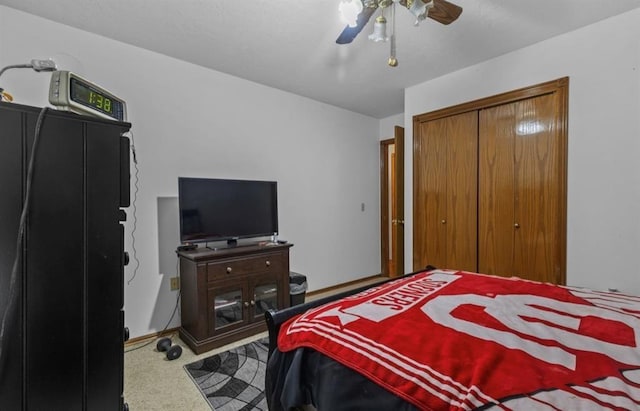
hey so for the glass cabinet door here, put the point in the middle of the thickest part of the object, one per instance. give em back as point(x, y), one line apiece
point(227, 308)
point(265, 297)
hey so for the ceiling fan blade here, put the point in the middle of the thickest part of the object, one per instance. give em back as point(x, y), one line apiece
point(350, 33)
point(444, 12)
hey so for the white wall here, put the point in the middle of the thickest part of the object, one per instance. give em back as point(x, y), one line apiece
point(603, 63)
point(191, 121)
point(388, 124)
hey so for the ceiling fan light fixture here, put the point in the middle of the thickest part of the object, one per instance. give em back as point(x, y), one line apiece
point(379, 30)
point(393, 61)
point(420, 9)
point(349, 11)
point(359, 12)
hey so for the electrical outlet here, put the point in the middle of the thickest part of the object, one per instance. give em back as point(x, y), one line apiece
point(175, 283)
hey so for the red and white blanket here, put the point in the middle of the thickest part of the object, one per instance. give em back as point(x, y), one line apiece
point(447, 340)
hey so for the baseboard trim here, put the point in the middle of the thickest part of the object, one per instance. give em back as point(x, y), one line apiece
point(348, 284)
point(142, 338)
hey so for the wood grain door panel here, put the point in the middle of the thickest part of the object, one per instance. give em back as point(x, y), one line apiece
point(445, 193)
point(495, 187)
point(537, 163)
point(520, 184)
point(462, 191)
point(429, 196)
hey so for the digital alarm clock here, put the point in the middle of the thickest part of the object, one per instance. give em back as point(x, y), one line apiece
point(70, 92)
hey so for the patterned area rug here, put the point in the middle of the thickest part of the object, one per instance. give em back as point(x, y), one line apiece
point(233, 380)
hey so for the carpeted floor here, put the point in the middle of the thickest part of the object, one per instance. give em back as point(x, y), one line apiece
point(233, 380)
point(153, 383)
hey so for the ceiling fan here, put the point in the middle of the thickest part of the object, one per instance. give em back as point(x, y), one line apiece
point(361, 11)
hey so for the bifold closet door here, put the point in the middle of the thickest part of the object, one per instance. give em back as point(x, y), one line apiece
point(445, 192)
point(521, 222)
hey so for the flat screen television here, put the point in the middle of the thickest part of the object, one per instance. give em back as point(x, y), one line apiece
point(214, 209)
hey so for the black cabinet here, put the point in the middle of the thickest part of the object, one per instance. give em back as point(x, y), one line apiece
point(62, 348)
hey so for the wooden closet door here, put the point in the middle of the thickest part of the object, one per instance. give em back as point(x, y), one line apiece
point(495, 190)
point(430, 202)
point(538, 167)
point(445, 192)
point(521, 186)
point(462, 192)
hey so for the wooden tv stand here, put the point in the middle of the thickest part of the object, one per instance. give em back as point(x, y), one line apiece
point(225, 292)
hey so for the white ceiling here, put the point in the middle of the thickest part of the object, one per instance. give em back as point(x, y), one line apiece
point(290, 44)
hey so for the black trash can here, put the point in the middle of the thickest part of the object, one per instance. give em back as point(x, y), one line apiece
point(297, 288)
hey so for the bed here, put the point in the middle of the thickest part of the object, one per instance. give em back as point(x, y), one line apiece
point(453, 340)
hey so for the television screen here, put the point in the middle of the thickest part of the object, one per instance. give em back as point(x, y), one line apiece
point(220, 209)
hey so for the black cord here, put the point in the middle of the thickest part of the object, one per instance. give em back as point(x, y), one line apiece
point(133, 239)
point(21, 227)
point(133, 205)
point(168, 322)
point(163, 330)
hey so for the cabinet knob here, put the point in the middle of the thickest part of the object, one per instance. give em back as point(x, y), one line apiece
point(253, 302)
point(444, 221)
point(516, 225)
point(246, 303)
point(229, 269)
point(268, 263)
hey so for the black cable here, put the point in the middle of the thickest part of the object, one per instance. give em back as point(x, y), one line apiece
point(21, 227)
point(168, 322)
point(133, 239)
point(133, 205)
point(164, 329)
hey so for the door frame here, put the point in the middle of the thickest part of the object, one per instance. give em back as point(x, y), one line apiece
point(387, 243)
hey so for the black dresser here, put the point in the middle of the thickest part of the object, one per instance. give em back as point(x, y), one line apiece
point(62, 348)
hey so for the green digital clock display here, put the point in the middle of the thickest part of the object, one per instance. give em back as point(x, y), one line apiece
point(90, 97)
point(68, 91)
